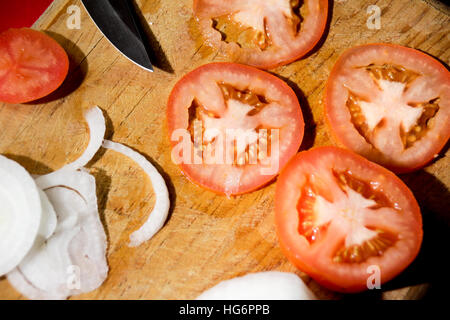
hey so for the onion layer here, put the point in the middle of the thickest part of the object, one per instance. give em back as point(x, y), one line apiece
point(160, 211)
point(73, 259)
point(96, 122)
point(271, 285)
point(62, 244)
point(20, 213)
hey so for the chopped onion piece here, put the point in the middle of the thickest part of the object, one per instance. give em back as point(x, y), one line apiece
point(69, 256)
point(22, 285)
point(20, 213)
point(45, 268)
point(97, 127)
point(271, 285)
point(73, 259)
point(96, 122)
point(48, 220)
point(158, 216)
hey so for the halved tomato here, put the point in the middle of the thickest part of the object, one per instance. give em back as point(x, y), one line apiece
point(262, 33)
point(339, 217)
point(390, 104)
point(32, 65)
point(233, 127)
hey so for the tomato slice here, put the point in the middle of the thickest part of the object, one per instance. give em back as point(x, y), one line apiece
point(337, 214)
point(390, 104)
point(32, 65)
point(233, 127)
point(262, 33)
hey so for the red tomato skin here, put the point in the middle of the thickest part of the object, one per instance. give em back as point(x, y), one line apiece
point(191, 76)
point(324, 4)
point(63, 60)
point(298, 260)
point(328, 103)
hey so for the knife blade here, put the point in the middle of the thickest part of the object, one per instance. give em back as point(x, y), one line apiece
point(118, 22)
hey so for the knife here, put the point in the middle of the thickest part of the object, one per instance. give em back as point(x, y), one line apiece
point(119, 23)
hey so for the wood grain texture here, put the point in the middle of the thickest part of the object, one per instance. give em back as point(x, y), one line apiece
point(208, 238)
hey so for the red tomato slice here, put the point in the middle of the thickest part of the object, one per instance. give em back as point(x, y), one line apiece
point(262, 33)
point(220, 98)
point(32, 65)
point(390, 104)
point(337, 214)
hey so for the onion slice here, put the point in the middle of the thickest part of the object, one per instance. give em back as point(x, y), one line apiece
point(72, 242)
point(77, 241)
point(73, 259)
point(97, 127)
point(20, 213)
point(158, 216)
point(271, 285)
point(49, 219)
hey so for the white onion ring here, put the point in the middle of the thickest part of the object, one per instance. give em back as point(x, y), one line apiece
point(97, 127)
point(49, 219)
point(20, 213)
point(270, 285)
point(79, 240)
point(158, 216)
point(22, 285)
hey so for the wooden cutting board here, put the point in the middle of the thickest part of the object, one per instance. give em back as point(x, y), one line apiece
point(208, 238)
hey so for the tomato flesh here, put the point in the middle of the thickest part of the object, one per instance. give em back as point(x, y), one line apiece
point(219, 98)
point(390, 104)
point(32, 65)
point(337, 214)
point(262, 33)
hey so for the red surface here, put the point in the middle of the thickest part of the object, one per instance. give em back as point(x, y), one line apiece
point(21, 13)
